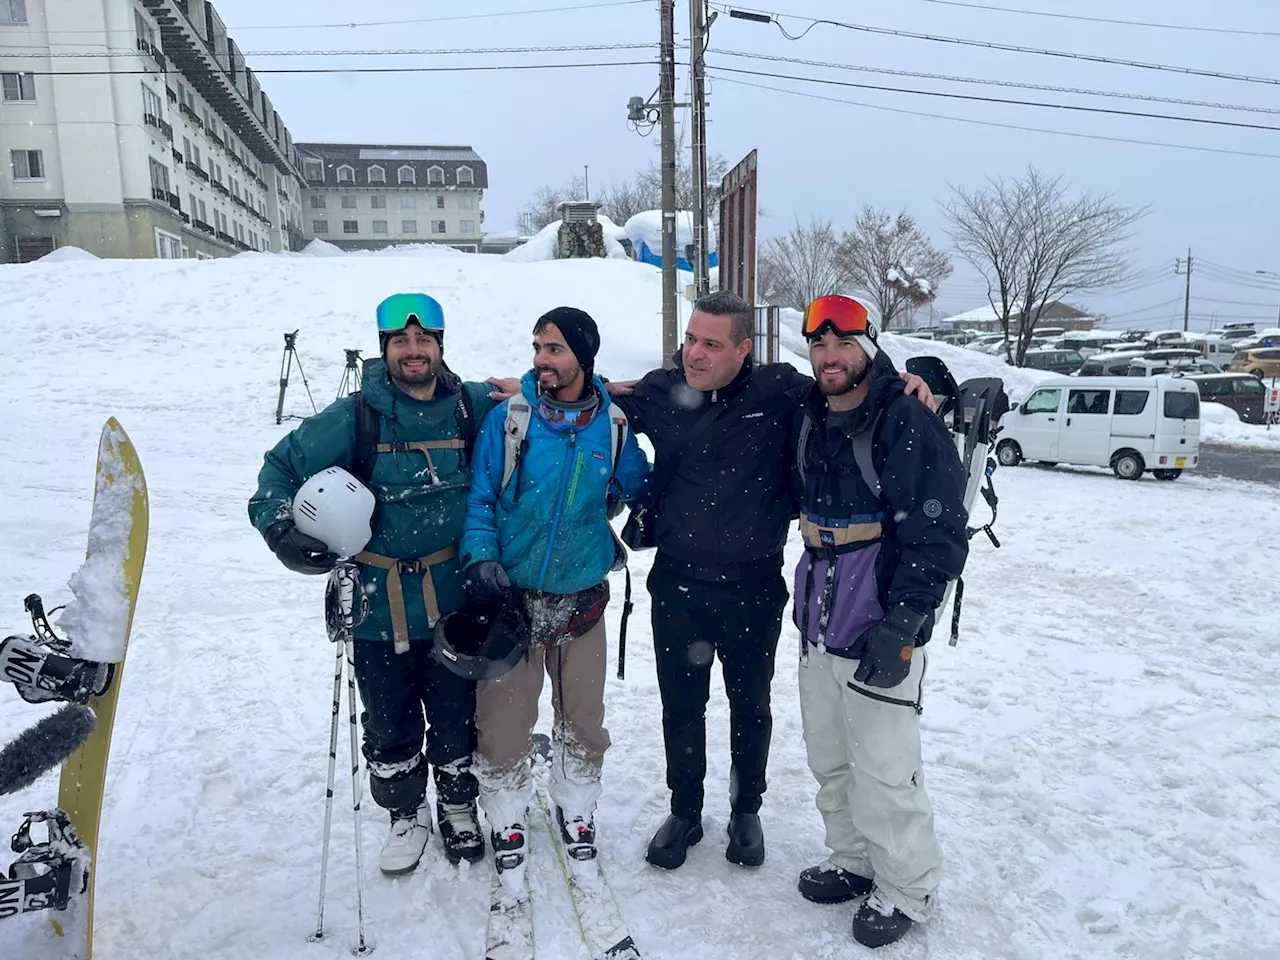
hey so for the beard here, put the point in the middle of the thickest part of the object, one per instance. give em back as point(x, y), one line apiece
point(557, 380)
point(418, 377)
point(852, 379)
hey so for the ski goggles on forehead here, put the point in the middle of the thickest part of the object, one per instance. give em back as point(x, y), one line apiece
point(845, 315)
point(395, 312)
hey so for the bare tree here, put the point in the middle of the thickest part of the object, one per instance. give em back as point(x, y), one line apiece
point(544, 207)
point(1033, 245)
point(801, 265)
point(892, 260)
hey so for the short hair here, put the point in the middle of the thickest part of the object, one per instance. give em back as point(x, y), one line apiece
point(725, 303)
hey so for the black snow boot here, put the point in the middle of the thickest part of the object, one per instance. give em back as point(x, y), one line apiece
point(460, 831)
point(746, 840)
point(827, 883)
point(671, 843)
point(878, 922)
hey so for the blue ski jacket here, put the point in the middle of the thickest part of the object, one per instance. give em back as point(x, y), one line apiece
point(549, 528)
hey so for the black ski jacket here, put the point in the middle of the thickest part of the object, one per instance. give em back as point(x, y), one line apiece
point(916, 527)
point(725, 514)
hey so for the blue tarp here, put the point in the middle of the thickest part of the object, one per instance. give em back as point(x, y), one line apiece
point(646, 255)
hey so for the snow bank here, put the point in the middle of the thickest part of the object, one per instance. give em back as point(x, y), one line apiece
point(545, 244)
point(322, 248)
point(67, 255)
point(1221, 425)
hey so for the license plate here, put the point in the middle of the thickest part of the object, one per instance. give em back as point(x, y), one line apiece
point(1180, 461)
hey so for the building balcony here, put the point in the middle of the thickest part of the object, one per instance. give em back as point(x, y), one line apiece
point(159, 193)
point(239, 203)
point(241, 245)
point(144, 46)
point(150, 119)
point(226, 237)
point(197, 171)
point(216, 139)
point(186, 217)
point(177, 155)
point(159, 58)
point(218, 185)
point(205, 227)
point(174, 201)
point(166, 130)
point(168, 92)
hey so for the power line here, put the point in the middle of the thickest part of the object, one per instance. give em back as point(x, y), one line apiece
point(1006, 126)
point(389, 23)
point(997, 83)
point(458, 51)
point(1007, 47)
point(320, 70)
point(1126, 23)
point(1076, 108)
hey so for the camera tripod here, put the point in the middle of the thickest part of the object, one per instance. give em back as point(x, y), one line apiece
point(350, 375)
point(286, 365)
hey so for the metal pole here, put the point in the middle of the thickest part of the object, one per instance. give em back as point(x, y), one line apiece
point(667, 111)
point(1186, 307)
point(328, 792)
point(698, 89)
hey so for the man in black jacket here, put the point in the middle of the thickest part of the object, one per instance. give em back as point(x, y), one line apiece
point(716, 583)
point(883, 521)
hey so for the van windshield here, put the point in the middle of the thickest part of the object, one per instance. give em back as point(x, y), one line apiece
point(1182, 406)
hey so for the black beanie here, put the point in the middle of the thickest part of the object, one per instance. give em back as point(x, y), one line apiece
point(579, 332)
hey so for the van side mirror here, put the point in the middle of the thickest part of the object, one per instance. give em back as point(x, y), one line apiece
point(1022, 410)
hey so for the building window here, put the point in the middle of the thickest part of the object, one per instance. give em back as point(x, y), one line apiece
point(379, 226)
point(350, 226)
point(466, 202)
point(168, 247)
point(377, 175)
point(319, 226)
point(346, 174)
point(18, 86)
point(159, 179)
point(27, 164)
point(435, 175)
point(408, 203)
point(408, 226)
point(378, 202)
point(317, 201)
point(13, 11)
point(313, 169)
point(465, 175)
point(145, 32)
point(406, 175)
point(466, 226)
point(438, 226)
point(348, 201)
point(440, 202)
point(191, 200)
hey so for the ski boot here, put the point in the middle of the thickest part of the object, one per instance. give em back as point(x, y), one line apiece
point(460, 832)
point(878, 922)
point(406, 842)
point(510, 847)
point(828, 883)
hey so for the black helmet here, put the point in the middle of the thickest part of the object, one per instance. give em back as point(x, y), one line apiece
point(483, 642)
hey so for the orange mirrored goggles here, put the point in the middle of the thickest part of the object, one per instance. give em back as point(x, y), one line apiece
point(846, 316)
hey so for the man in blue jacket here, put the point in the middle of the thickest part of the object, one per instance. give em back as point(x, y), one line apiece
point(548, 466)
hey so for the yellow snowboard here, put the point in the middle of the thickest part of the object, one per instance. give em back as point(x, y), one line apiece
point(117, 538)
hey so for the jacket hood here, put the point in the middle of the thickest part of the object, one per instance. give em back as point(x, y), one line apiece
point(385, 397)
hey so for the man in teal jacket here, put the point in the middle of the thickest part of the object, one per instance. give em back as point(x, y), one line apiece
point(545, 533)
point(420, 416)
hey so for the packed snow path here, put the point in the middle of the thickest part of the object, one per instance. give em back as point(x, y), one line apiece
point(1101, 747)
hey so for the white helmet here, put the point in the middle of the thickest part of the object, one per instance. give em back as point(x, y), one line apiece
point(336, 509)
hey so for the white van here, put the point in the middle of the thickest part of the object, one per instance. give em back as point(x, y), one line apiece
point(1130, 424)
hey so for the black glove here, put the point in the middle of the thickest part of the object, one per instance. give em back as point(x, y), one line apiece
point(888, 647)
point(297, 551)
point(487, 582)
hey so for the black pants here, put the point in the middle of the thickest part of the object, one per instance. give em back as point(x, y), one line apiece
point(397, 690)
point(693, 621)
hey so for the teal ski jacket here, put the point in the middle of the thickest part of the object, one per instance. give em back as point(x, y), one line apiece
point(549, 529)
point(415, 516)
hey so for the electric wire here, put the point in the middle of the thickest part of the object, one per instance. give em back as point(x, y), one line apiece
point(429, 52)
point(1125, 23)
point(357, 70)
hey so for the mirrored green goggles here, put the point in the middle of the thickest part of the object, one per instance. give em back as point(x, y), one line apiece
point(395, 312)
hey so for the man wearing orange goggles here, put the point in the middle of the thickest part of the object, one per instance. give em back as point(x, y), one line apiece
point(883, 520)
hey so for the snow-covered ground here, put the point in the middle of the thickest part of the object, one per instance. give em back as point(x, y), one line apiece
point(1101, 746)
point(1221, 425)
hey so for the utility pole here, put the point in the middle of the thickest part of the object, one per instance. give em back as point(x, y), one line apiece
point(586, 182)
point(698, 168)
point(667, 115)
point(1186, 307)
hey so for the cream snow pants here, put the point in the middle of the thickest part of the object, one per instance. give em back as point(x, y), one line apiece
point(865, 754)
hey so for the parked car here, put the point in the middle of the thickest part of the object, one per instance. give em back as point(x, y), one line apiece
point(1088, 342)
point(1109, 364)
point(1244, 394)
point(1149, 367)
point(1131, 425)
point(1056, 361)
point(1263, 364)
point(1217, 351)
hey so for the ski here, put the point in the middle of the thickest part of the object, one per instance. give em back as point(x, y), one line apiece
point(604, 932)
point(509, 932)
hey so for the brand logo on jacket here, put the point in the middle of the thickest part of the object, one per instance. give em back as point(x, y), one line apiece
point(932, 509)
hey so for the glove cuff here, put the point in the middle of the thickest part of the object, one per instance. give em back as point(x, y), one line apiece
point(905, 619)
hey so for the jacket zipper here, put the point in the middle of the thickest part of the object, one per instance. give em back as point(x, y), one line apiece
point(555, 521)
point(573, 484)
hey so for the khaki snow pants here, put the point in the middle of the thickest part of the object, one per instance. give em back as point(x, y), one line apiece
point(865, 754)
point(507, 711)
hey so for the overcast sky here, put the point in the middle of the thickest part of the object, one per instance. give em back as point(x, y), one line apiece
point(824, 158)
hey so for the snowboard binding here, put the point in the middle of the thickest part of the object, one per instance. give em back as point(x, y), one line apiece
point(42, 668)
point(48, 874)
